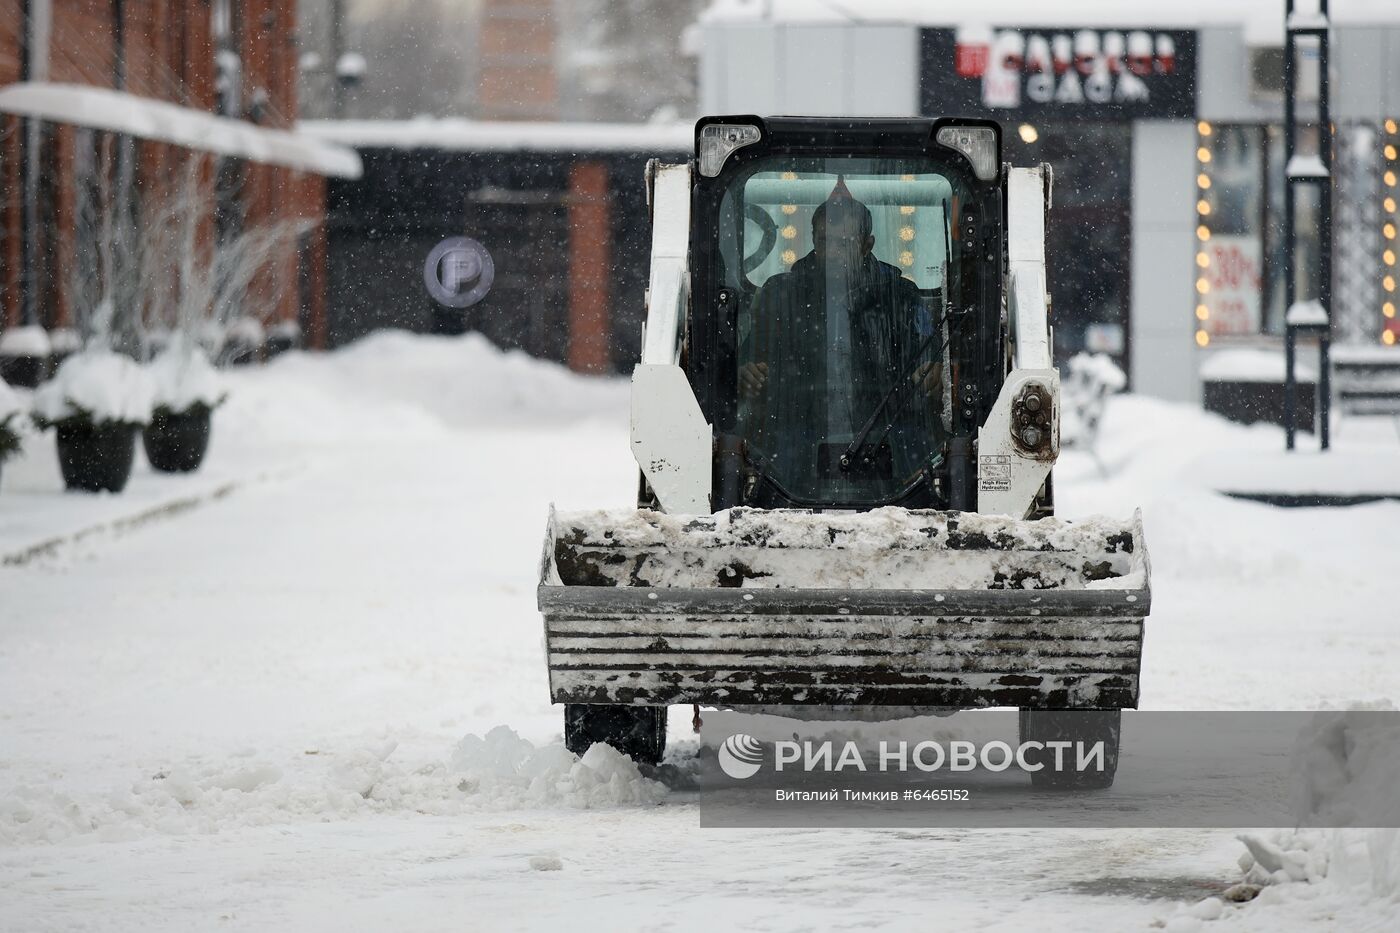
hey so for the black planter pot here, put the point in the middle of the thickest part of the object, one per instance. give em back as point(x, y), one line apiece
point(176, 443)
point(26, 372)
point(96, 457)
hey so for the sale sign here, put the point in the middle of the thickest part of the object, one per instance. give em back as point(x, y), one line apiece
point(1235, 277)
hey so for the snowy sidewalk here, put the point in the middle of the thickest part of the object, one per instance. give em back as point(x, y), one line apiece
point(276, 710)
point(38, 517)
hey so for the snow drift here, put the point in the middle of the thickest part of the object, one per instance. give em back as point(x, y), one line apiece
point(497, 771)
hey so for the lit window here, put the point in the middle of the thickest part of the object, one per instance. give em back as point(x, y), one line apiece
point(1203, 207)
point(1203, 180)
point(1203, 154)
point(1202, 286)
point(1202, 338)
point(789, 232)
point(1203, 128)
point(906, 233)
point(1388, 309)
point(1388, 338)
point(1202, 313)
point(906, 209)
point(789, 257)
point(1203, 233)
point(789, 209)
point(906, 258)
point(1202, 260)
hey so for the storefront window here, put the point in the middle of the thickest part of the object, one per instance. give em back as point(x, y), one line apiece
point(1231, 230)
point(1089, 236)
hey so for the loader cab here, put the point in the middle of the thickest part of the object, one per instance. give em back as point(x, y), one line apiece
point(846, 326)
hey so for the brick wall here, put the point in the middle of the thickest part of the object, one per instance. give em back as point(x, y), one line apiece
point(516, 51)
point(169, 55)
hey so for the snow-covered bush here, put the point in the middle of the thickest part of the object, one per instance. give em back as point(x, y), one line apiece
point(206, 289)
point(26, 340)
point(1089, 380)
point(96, 386)
point(185, 380)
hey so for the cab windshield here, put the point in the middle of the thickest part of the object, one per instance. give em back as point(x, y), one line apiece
point(842, 265)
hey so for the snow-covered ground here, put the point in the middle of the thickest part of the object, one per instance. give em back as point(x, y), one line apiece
point(313, 695)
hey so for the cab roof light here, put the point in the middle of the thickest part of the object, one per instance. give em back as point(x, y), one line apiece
point(978, 143)
point(719, 140)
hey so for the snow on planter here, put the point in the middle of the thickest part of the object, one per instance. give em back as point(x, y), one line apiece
point(11, 411)
point(184, 379)
point(98, 386)
point(30, 340)
point(246, 330)
point(64, 341)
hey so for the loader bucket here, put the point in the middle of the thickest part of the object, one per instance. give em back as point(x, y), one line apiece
point(890, 607)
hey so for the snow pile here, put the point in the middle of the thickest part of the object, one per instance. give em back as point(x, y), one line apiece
point(498, 771)
point(465, 382)
point(506, 769)
point(100, 385)
point(1345, 766)
point(184, 378)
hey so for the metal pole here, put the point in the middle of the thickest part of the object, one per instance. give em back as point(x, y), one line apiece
point(1290, 379)
point(337, 50)
point(29, 169)
point(1324, 132)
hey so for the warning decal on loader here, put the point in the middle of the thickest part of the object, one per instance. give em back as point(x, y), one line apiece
point(994, 474)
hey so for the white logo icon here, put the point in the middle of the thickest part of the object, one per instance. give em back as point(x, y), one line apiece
point(741, 756)
point(459, 272)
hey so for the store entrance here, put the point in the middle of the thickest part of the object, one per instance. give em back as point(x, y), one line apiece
point(1089, 231)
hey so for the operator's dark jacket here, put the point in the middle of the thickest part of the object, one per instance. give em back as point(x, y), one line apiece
point(788, 332)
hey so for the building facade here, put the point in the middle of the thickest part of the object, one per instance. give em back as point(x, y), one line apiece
point(559, 210)
point(137, 102)
point(1164, 130)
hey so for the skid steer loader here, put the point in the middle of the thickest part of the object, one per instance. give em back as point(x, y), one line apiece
point(845, 418)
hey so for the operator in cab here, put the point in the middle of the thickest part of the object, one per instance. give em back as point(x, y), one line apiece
point(842, 367)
